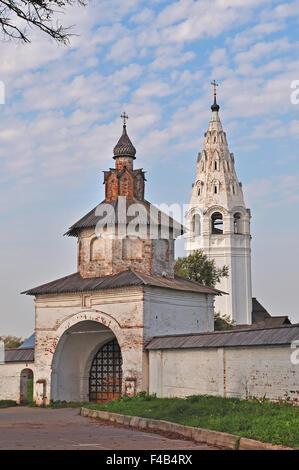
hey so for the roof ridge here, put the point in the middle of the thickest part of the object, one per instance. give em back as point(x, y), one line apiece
point(138, 275)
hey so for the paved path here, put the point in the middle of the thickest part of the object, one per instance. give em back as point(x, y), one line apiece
point(48, 428)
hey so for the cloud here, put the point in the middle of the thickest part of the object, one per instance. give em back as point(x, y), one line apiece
point(274, 191)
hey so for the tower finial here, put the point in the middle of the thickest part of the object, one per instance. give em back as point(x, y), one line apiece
point(215, 106)
point(124, 116)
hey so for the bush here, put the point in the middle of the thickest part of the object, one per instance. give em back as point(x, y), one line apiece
point(7, 403)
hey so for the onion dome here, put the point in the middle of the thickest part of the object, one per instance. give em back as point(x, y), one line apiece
point(215, 106)
point(124, 147)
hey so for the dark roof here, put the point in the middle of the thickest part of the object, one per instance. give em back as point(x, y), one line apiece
point(124, 147)
point(217, 339)
point(19, 355)
point(215, 106)
point(267, 322)
point(29, 343)
point(259, 313)
point(154, 216)
point(75, 283)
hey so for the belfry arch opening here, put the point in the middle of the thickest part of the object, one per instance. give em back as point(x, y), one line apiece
point(217, 223)
point(87, 364)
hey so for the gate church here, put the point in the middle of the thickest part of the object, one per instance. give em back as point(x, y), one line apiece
point(125, 323)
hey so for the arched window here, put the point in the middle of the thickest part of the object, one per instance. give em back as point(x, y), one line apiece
point(217, 223)
point(196, 225)
point(237, 223)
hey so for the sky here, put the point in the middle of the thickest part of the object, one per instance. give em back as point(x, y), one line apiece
point(155, 60)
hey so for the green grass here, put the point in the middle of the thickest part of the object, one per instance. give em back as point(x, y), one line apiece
point(30, 390)
point(276, 423)
point(7, 403)
point(67, 404)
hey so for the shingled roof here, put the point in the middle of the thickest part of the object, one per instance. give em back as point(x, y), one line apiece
point(75, 283)
point(154, 217)
point(124, 147)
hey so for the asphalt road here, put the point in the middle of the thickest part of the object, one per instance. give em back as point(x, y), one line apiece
point(48, 429)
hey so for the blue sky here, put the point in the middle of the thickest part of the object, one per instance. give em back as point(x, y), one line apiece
point(155, 60)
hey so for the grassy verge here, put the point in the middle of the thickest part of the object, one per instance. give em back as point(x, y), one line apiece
point(276, 423)
point(7, 403)
point(67, 404)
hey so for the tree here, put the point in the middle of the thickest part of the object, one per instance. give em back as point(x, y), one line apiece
point(222, 322)
point(17, 15)
point(11, 341)
point(198, 267)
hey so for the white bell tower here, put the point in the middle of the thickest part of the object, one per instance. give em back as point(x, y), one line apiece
point(219, 223)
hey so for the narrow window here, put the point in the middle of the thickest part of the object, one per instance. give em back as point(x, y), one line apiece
point(215, 190)
point(196, 225)
point(215, 165)
point(237, 223)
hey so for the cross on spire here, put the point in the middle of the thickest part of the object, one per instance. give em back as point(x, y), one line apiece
point(214, 85)
point(124, 116)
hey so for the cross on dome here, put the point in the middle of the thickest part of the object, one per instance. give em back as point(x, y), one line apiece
point(124, 116)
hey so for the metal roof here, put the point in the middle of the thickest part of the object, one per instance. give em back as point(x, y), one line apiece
point(154, 217)
point(75, 283)
point(19, 355)
point(29, 343)
point(218, 339)
point(267, 322)
point(259, 313)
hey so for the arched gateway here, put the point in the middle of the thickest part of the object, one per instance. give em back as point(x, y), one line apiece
point(87, 364)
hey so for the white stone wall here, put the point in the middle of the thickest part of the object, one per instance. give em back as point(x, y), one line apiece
point(10, 378)
point(168, 312)
point(230, 372)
